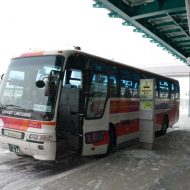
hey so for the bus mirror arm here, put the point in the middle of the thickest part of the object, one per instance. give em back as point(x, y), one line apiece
point(2, 76)
point(50, 88)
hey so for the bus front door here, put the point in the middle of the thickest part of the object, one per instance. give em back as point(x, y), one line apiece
point(95, 125)
point(69, 122)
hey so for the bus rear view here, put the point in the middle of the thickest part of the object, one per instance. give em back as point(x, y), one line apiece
point(27, 112)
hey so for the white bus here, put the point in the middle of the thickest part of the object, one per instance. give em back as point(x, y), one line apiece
point(59, 100)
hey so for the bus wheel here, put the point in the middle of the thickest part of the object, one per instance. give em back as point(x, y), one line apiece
point(165, 125)
point(112, 140)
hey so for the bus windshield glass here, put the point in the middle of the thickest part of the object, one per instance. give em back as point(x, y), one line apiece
point(19, 94)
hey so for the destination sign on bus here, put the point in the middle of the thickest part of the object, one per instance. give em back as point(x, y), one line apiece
point(16, 113)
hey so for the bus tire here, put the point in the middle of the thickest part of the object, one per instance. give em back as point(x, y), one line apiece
point(165, 125)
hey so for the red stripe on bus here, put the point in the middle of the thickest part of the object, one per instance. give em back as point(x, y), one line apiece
point(126, 127)
point(13, 123)
point(23, 124)
point(122, 106)
point(123, 128)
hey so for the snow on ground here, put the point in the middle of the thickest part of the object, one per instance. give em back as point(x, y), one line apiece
point(17, 172)
point(167, 166)
point(134, 169)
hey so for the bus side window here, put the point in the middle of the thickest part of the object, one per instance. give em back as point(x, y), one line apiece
point(99, 85)
point(129, 83)
point(97, 96)
point(174, 91)
point(157, 89)
point(72, 78)
point(136, 90)
point(126, 88)
point(177, 95)
point(112, 86)
point(164, 89)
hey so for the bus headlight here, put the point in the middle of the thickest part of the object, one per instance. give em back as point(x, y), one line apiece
point(46, 138)
point(40, 138)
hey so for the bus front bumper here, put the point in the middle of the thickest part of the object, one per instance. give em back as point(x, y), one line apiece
point(45, 151)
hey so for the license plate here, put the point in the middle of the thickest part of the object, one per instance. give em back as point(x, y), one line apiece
point(14, 148)
point(13, 134)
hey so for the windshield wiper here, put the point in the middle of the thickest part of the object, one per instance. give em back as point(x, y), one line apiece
point(9, 105)
point(14, 106)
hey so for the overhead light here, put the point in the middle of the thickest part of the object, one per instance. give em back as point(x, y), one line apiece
point(127, 23)
point(160, 45)
point(114, 15)
point(99, 5)
point(146, 36)
point(153, 41)
point(138, 30)
point(137, 2)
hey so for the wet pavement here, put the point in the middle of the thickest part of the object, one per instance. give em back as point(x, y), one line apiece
point(167, 166)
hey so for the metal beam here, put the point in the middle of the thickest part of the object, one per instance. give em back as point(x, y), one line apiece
point(156, 7)
point(157, 13)
point(177, 36)
point(177, 24)
point(171, 31)
point(187, 45)
point(187, 3)
point(164, 24)
point(184, 41)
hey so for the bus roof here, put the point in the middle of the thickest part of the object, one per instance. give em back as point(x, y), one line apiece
point(67, 53)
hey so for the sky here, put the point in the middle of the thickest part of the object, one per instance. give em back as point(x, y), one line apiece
point(28, 25)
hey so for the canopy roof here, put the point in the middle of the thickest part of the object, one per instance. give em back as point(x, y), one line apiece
point(165, 22)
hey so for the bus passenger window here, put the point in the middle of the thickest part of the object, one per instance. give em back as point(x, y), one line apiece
point(72, 79)
point(164, 89)
point(112, 87)
point(136, 90)
point(126, 88)
point(127, 92)
point(174, 91)
point(99, 85)
point(157, 89)
point(97, 96)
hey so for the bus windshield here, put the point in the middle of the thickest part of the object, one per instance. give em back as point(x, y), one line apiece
point(19, 95)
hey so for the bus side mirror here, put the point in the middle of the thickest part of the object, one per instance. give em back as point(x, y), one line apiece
point(40, 83)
